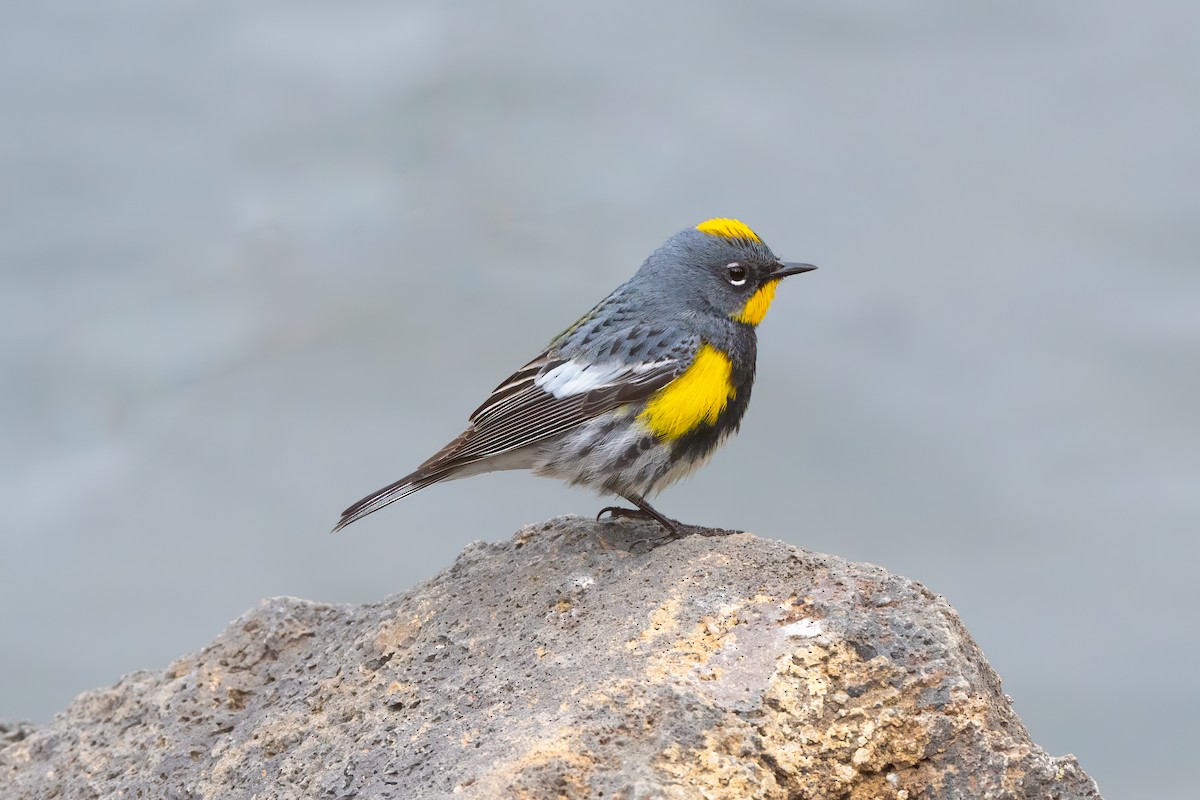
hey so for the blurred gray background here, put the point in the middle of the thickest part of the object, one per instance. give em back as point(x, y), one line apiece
point(259, 259)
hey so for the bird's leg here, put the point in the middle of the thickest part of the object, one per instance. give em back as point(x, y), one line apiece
point(644, 509)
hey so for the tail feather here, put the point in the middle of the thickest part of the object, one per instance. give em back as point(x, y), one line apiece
point(388, 495)
point(435, 468)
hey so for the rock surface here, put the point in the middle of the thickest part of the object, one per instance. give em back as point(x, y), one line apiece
point(572, 661)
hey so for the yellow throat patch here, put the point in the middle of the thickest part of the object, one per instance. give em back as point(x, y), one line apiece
point(696, 397)
point(729, 228)
point(756, 307)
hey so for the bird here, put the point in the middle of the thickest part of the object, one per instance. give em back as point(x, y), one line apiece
point(639, 391)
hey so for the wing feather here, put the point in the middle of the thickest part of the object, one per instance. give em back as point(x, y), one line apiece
point(548, 396)
point(552, 394)
point(532, 414)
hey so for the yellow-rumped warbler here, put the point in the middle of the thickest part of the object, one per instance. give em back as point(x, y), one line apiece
point(640, 391)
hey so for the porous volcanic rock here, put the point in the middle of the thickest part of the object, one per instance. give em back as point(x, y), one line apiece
point(576, 660)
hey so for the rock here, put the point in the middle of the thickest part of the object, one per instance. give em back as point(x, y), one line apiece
point(13, 732)
point(572, 661)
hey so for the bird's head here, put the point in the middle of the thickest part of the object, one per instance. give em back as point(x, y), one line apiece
point(720, 266)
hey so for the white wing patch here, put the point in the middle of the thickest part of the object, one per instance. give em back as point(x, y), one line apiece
point(576, 377)
point(579, 377)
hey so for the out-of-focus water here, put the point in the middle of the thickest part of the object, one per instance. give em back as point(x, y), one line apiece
point(258, 259)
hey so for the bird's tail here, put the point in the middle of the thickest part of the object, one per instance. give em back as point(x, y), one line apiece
point(439, 466)
point(388, 495)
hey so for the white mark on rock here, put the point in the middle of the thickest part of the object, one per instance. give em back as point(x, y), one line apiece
point(805, 628)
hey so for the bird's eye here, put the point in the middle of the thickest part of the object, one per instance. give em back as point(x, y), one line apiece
point(737, 274)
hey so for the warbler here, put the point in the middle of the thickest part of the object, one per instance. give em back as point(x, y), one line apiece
point(637, 393)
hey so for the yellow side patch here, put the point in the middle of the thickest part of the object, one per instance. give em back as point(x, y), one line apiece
point(729, 228)
point(756, 307)
point(696, 397)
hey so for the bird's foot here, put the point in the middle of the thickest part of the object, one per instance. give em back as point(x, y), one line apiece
point(620, 512)
point(673, 529)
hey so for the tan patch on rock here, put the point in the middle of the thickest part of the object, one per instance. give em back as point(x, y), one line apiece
point(397, 634)
point(663, 621)
point(554, 766)
point(726, 766)
point(708, 637)
point(683, 655)
point(836, 722)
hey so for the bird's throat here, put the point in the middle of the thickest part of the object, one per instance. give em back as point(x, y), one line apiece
point(756, 307)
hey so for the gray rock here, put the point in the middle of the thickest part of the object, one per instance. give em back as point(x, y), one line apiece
point(572, 661)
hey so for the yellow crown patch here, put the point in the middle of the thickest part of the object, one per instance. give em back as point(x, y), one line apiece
point(729, 228)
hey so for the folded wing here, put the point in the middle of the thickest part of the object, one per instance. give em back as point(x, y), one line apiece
point(547, 397)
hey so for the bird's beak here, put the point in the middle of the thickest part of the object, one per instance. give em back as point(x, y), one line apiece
point(790, 268)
